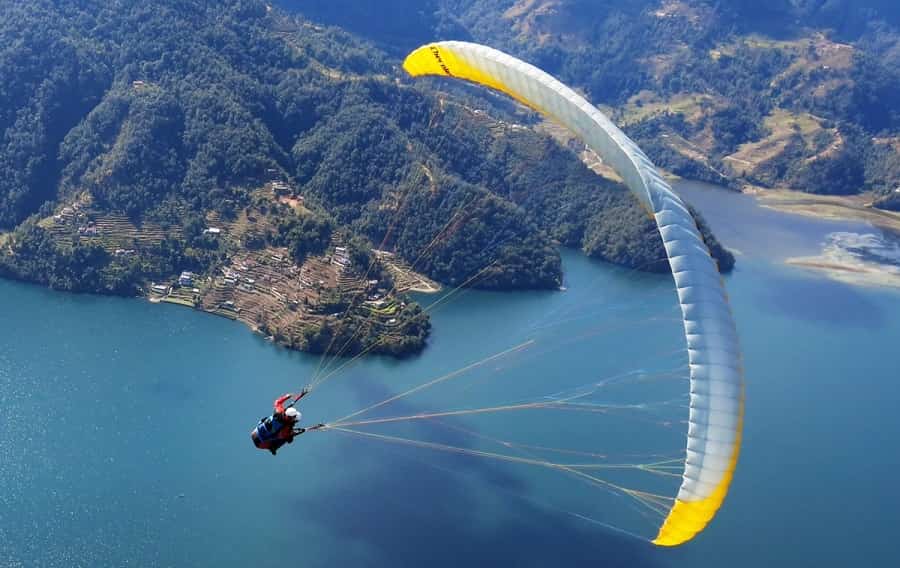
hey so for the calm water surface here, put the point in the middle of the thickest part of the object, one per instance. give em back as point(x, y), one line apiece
point(123, 428)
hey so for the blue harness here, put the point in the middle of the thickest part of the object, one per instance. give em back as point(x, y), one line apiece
point(268, 429)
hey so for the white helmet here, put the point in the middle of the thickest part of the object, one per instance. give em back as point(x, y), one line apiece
point(293, 414)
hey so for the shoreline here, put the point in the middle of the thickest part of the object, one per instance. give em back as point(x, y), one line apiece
point(853, 243)
point(292, 305)
point(835, 262)
point(836, 207)
point(832, 262)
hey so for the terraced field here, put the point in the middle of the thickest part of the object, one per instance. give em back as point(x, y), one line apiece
point(784, 126)
point(646, 104)
point(113, 232)
point(265, 289)
point(405, 278)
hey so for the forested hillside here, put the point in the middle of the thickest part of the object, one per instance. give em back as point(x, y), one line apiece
point(140, 141)
point(775, 93)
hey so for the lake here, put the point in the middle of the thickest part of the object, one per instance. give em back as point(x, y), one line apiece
point(124, 426)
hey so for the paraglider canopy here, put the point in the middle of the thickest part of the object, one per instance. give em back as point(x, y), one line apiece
point(716, 371)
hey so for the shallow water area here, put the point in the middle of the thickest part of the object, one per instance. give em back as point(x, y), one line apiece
point(850, 251)
point(753, 230)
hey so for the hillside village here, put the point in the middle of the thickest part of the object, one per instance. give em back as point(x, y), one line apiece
point(264, 288)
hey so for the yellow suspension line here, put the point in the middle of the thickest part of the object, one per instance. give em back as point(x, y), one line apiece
point(643, 497)
point(440, 379)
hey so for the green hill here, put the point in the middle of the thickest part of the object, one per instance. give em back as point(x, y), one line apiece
point(775, 93)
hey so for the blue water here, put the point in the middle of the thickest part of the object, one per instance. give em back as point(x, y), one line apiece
point(123, 431)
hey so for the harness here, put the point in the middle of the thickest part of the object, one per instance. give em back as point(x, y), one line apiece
point(268, 428)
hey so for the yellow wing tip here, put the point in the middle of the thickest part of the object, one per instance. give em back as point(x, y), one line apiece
point(688, 518)
point(411, 64)
point(429, 59)
point(448, 60)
